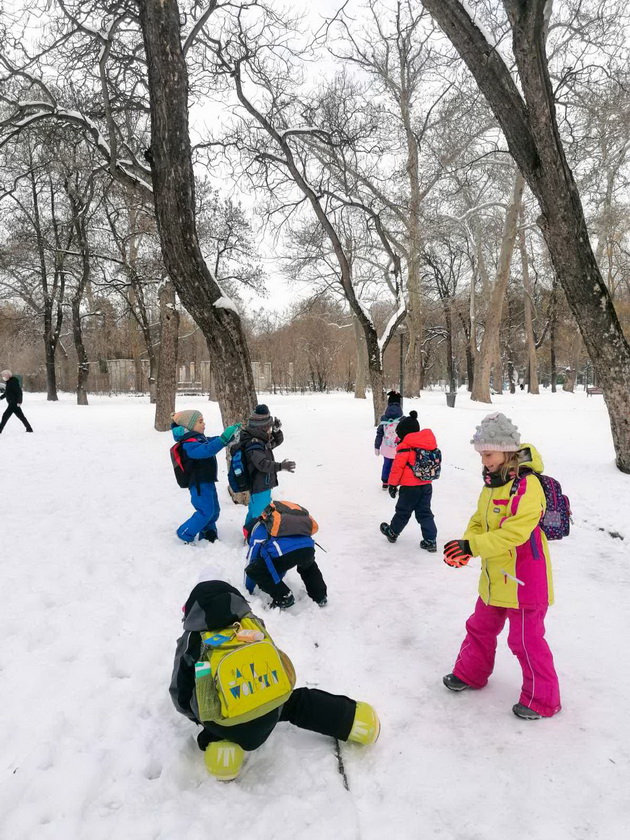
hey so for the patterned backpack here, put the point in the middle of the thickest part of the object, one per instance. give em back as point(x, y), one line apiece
point(241, 674)
point(428, 463)
point(390, 438)
point(556, 521)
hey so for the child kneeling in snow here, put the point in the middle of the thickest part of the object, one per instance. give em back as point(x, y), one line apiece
point(212, 620)
point(271, 558)
point(200, 465)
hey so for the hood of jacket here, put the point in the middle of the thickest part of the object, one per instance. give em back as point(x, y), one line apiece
point(424, 439)
point(180, 432)
point(250, 433)
point(392, 412)
point(212, 605)
point(529, 458)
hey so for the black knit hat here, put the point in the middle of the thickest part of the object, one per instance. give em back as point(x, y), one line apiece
point(408, 425)
point(260, 418)
point(394, 397)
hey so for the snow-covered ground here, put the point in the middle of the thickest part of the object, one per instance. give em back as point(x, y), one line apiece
point(93, 579)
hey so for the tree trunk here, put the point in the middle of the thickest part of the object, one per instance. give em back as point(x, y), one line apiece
point(553, 370)
point(83, 365)
point(174, 196)
point(50, 347)
point(497, 362)
point(531, 130)
point(489, 343)
point(360, 377)
point(572, 371)
point(166, 390)
point(532, 362)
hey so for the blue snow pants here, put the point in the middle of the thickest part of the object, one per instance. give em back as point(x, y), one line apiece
point(387, 468)
point(416, 500)
point(206, 504)
point(257, 503)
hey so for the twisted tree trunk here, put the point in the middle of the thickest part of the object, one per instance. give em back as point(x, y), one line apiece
point(174, 196)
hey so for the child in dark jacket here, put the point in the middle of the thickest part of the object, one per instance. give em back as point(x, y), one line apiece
point(200, 463)
point(415, 494)
point(386, 437)
point(271, 558)
point(13, 396)
point(261, 435)
point(214, 605)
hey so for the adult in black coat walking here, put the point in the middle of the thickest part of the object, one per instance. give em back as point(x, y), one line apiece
point(13, 395)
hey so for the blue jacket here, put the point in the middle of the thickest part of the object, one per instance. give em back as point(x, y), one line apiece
point(202, 451)
point(262, 545)
point(392, 412)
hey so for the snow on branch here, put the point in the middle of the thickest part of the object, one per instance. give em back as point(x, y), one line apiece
point(392, 325)
point(224, 302)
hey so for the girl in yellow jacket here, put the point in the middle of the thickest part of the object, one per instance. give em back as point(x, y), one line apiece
point(515, 583)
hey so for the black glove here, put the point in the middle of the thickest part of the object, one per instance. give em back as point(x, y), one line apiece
point(392, 490)
point(457, 553)
point(287, 465)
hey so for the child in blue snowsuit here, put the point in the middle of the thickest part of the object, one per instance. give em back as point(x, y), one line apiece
point(385, 441)
point(200, 463)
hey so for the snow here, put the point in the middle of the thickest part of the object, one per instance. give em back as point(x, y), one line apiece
point(224, 302)
point(93, 579)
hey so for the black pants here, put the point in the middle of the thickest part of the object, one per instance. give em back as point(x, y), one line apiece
point(415, 500)
point(14, 408)
point(303, 559)
point(308, 708)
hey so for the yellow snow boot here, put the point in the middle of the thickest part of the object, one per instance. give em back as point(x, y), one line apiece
point(366, 726)
point(224, 760)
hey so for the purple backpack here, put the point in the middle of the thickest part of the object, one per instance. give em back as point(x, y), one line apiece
point(556, 520)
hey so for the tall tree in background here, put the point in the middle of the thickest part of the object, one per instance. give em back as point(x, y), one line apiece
point(531, 130)
point(174, 194)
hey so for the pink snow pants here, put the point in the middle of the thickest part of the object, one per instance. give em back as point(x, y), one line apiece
point(526, 640)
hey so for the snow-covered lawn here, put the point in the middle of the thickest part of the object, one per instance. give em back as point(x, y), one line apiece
point(93, 579)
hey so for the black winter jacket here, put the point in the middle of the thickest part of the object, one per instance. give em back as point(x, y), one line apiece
point(261, 467)
point(12, 392)
point(211, 605)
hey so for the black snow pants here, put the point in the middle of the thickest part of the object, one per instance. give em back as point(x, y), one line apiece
point(308, 708)
point(14, 408)
point(303, 559)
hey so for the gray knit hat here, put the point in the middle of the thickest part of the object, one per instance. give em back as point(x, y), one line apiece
point(260, 418)
point(497, 433)
point(187, 419)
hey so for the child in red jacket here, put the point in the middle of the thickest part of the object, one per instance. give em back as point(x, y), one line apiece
point(415, 495)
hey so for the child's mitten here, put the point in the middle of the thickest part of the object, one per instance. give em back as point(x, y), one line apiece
point(377, 452)
point(287, 465)
point(392, 490)
point(227, 434)
point(457, 553)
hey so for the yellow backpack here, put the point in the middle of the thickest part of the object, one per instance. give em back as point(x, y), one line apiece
point(241, 674)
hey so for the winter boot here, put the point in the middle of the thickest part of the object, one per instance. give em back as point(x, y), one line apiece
point(322, 602)
point(284, 602)
point(385, 485)
point(224, 760)
point(525, 712)
point(454, 683)
point(210, 535)
point(387, 531)
point(429, 545)
point(366, 727)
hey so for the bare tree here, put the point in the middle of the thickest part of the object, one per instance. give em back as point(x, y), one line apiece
point(174, 192)
point(530, 126)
